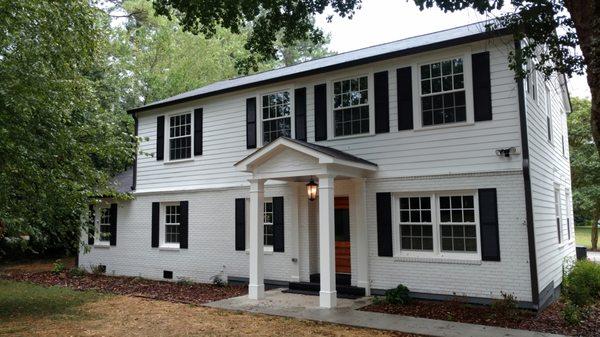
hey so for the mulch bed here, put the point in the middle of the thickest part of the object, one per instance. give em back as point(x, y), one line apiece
point(550, 320)
point(191, 293)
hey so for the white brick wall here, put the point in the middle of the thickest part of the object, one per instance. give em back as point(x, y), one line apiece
point(212, 250)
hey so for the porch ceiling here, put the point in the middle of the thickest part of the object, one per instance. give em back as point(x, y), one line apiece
point(293, 159)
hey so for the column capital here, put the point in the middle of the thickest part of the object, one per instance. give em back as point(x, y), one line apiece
point(326, 181)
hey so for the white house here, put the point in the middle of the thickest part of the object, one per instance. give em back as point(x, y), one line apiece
point(435, 169)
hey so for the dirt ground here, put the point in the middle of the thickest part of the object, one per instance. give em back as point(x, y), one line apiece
point(132, 316)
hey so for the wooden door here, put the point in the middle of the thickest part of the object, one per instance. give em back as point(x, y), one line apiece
point(342, 235)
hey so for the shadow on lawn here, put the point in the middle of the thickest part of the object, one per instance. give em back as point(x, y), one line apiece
point(20, 299)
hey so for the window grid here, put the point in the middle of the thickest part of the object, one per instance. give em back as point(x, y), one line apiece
point(268, 224)
point(180, 136)
point(443, 92)
point(458, 231)
point(276, 111)
point(351, 106)
point(104, 228)
point(172, 216)
point(416, 228)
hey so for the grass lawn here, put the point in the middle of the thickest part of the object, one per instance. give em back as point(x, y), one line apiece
point(583, 236)
point(33, 310)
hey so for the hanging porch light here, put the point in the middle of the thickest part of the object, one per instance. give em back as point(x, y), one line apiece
point(311, 189)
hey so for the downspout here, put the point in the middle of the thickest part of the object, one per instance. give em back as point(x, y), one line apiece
point(535, 294)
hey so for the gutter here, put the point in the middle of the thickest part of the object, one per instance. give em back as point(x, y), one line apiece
point(535, 293)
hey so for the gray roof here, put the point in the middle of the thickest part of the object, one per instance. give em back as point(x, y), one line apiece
point(332, 152)
point(123, 182)
point(445, 38)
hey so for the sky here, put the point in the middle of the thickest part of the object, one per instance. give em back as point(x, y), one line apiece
point(381, 21)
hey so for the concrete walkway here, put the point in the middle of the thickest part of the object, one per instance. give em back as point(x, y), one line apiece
point(307, 307)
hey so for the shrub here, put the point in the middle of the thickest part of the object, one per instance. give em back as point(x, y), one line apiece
point(398, 295)
point(58, 267)
point(506, 307)
point(76, 272)
point(218, 281)
point(581, 284)
point(98, 269)
point(185, 281)
point(571, 313)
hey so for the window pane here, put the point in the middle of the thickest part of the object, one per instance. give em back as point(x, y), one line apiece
point(426, 216)
point(445, 216)
point(469, 216)
point(446, 244)
point(425, 73)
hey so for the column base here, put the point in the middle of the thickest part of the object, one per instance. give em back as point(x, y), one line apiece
point(328, 299)
point(256, 291)
point(366, 285)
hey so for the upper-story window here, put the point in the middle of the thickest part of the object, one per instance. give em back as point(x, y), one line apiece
point(548, 108)
point(276, 116)
point(180, 136)
point(351, 106)
point(443, 92)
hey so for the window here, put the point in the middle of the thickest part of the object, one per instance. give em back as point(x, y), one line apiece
point(557, 212)
point(549, 114)
point(172, 214)
point(416, 228)
point(443, 92)
point(180, 136)
point(104, 225)
point(268, 223)
point(351, 106)
point(568, 211)
point(276, 120)
point(457, 223)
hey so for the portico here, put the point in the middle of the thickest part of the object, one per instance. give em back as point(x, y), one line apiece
point(296, 161)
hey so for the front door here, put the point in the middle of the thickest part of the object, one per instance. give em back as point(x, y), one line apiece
point(342, 235)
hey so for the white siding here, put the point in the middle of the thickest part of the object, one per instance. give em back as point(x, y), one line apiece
point(549, 168)
point(454, 149)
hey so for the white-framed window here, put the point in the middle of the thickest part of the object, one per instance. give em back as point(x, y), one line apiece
point(458, 229)
point(268, 223)
point(416, 226)
point(180, 136)
point(437, 225)
point(276, 116)
point(104, 224)
point(351, 111)
point(442, 92)
point(557, 213)
point(548, 109)
point(533, 79)
point(171, 224)
point(568, 213)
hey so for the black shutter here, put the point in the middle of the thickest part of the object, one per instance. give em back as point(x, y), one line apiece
point(251, 123)
point(160, 137)
point(155, 223)
point(113, 224)
point(488, 217)
point(92, 225)
point(183, 224)
point(482, 87)
point(384, 224)
point(240, 224)
point(320, 112)
point(300, 113)
point(278, 237)
point(198, 132)
point(382, 102)
point(405, 99)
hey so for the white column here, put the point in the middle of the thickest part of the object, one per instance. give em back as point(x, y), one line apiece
point(256, 286)
point(327, 295)
point(295, 231)
point(362, 242)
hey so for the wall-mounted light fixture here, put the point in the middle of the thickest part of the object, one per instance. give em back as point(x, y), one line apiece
point(507, 152)
point(311, 189)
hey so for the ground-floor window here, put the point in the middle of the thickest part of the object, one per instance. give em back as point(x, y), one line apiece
point(172, 216)
point(104, 224)
point(268, 223)
point(442, 224)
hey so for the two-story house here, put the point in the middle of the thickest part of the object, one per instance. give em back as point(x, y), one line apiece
point(420, 162)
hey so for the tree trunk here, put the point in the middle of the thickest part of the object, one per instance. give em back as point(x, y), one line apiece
point(595, 235)
point(586, 17)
